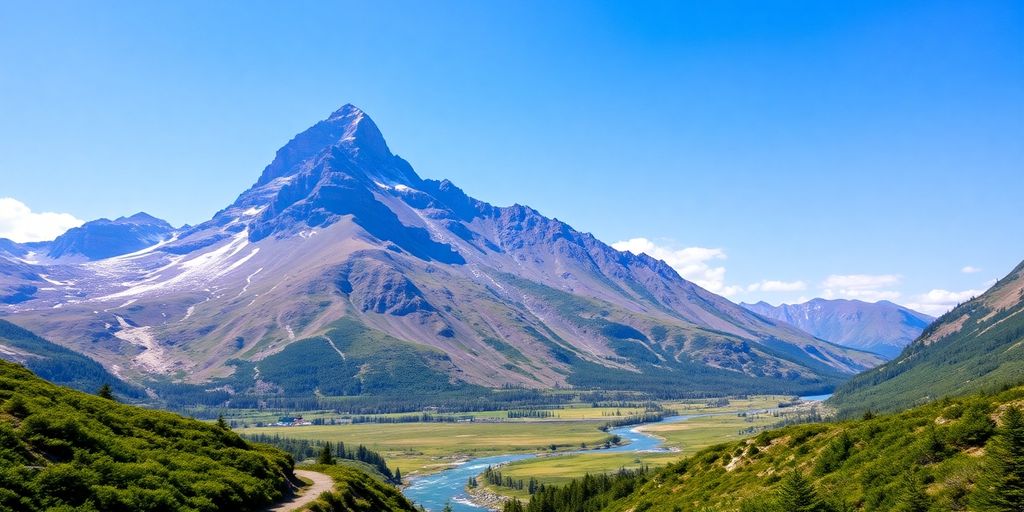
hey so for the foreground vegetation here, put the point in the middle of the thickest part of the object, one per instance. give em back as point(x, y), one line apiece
point(356, 490)
point(952, 454)
point(62, 449)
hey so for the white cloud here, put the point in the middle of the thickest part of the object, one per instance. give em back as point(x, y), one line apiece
point(19, 223)
point(866, 287)
point(777, 286)
point(693, 263)
point(970, 270)
point(937, 302)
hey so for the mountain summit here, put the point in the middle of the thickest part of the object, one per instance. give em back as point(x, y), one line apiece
point(348, 130)
point(342, 266)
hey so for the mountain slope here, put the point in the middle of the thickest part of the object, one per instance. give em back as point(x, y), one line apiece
point(56, 363)
point(932, 457)
point(880, 327)
point(339, 228)
point(975, 347)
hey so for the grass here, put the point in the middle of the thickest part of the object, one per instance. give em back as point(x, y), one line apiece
point(421, 448)
point(561, 470)
point(428, 447)
point(687, 437)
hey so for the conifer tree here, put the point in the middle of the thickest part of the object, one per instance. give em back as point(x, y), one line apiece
point(798, 495)
point(514, 505)
point(106, 392)
point(221, 423)
point(326, 455)
point(912, 497)
point(1002, 485)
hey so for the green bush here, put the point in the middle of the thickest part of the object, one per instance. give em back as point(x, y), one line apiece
point(63, 449)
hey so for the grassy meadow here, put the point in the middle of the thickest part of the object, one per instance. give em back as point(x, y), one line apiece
point(421, 448)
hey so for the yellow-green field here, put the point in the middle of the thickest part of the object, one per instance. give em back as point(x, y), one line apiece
point(427, 447)
point(688, 437)
point(419, 448)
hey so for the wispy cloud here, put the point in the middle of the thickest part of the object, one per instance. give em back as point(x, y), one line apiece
point(697, 264)
point(777, 286)
point(866, 287)
point(937, 302)
point(970, 270)
point(19, 223)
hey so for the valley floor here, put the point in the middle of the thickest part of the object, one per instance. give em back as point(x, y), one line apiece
point(419, 448)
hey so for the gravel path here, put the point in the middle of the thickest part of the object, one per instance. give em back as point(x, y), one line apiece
point(321, 484)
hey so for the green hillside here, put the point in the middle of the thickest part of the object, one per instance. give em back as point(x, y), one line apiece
point(947, 455)
point(63, 450)
point(975, 347)
point(56, 363)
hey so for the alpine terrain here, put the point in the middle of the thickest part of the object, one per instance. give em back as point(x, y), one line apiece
point(880, 327)
point(975, 347)
point(343, 272)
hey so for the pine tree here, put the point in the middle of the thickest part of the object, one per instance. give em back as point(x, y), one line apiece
point(798, 495)
point(326, 456)
point(398, 476)
point(447, 507)
point(514, 505)
point(1002, 486)
point(912, 497)
point(221, 423)
point(106, 392)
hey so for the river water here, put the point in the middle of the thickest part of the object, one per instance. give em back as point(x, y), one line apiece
point(449, 486)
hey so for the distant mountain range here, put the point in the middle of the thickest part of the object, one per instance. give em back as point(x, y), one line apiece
point(880, 327)
point(340, 250)
point(978, 346)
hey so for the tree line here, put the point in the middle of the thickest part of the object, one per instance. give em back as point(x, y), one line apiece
point(302, 449)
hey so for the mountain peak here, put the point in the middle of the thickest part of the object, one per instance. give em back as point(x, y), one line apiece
point(360, 132)
point(347, 110)
point(142, 218)
point(348, 127)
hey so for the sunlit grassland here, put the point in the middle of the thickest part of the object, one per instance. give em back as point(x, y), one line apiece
point(687, 437)
point(419, 448)
point(427, 447)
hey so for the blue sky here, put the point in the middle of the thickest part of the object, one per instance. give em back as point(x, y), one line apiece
point(769, 150)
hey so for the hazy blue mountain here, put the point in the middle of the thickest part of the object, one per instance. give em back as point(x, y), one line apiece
point(104, 238)
point(880, 327)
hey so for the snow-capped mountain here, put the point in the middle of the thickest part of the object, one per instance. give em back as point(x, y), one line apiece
point(880, 327)
point(337, 227)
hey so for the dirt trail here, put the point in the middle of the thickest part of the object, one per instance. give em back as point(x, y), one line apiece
point(321, 484)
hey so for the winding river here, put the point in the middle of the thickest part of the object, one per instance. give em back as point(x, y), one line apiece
point(449, 486)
